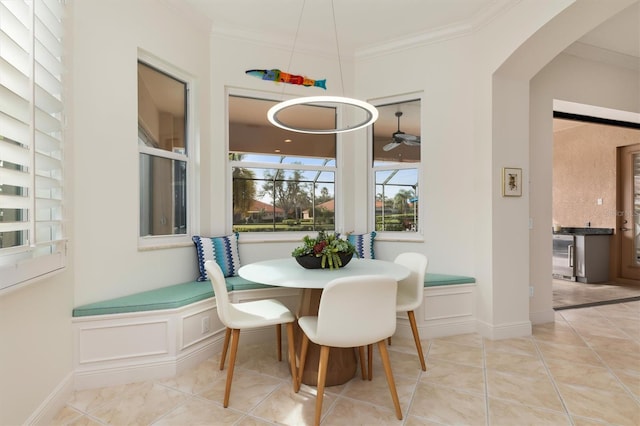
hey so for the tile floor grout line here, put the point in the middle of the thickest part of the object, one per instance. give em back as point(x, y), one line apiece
point(552, 379)
point(418, 379)
point(613, 324)
point(487, 417)
point(162, 416)
point(606, 365)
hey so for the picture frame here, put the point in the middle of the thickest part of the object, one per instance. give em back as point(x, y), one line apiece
point(511, 182)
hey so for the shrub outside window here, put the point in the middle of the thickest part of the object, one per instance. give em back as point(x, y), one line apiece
point(283, 181)
point(396, 167)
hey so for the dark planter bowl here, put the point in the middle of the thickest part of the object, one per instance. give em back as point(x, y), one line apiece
point(312, 262)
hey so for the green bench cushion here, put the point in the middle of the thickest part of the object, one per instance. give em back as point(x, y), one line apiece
point(434, 280)
point(179, 295)
point(170, 297)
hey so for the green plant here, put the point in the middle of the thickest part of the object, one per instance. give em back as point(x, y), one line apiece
point(327, 246)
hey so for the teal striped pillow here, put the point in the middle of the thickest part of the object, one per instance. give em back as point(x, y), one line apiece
point(223, 250)
point(364, 244)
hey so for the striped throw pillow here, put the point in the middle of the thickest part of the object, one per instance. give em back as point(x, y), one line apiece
point(224, 250)
point(364, 244)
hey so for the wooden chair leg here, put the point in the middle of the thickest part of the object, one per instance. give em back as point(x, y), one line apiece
point(225, 347)
point(362, 361)
point(232, 364)
point(303, 358)
point(292, 354)
point(416, 338)
point(392, 384)
point(389, 340)
point(322, 377)
point(279, 340)
point(370, 359)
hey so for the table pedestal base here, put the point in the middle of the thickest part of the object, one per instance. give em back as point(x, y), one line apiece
point(342, 361)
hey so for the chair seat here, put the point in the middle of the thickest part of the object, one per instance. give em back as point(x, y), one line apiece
point(309, 326)
point(259, 313)
point(406, 302)
point(254, 314)
point(353, 312)
point(411, 294)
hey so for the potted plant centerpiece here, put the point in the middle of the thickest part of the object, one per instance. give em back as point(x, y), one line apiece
point(327, 250)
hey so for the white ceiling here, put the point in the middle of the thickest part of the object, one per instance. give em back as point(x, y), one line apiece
point(365, 26)
point(359, 24)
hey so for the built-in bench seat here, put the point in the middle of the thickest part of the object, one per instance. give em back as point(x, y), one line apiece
point(171, 297)
point(434, 280)
point(158, 333)
point(178, 295)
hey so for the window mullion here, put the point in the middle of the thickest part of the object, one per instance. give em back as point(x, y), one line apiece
point(163, 153)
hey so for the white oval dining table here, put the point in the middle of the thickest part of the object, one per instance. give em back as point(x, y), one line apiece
point(288, 273)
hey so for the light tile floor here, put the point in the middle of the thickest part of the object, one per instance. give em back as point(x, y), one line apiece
point(573, 294)
point(582, 370)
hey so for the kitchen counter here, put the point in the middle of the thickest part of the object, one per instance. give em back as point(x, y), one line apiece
point(584, 231)
point(582, 254)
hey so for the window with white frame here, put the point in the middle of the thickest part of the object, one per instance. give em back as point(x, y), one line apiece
point(282, 181)
point(163, 147)
point(396, 166)
point(32, 239)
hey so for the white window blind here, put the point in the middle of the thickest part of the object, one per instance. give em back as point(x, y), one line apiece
point(31, 112)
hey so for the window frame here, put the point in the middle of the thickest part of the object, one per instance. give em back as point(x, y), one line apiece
point(418, 235)
point(25, 264)
point(155, 242)
point(280, 236)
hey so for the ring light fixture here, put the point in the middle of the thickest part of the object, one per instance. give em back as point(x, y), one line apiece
point(370, 111)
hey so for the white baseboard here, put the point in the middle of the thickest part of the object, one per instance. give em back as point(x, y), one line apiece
point(53, 403)
point(542, 317)
point(432, 331)
point(504, 331)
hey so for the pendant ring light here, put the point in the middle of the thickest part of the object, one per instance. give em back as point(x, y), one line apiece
point(371, 113)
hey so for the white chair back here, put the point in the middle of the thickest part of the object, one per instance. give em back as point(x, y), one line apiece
point(412, 287)
point(220, 289)
point(356, 311)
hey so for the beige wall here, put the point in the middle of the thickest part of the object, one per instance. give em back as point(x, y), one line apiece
point(584, 170)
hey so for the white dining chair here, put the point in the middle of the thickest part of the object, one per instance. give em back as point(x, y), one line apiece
point(411, 293)
point(247, 315)
point(353, 312)
point(410, 297)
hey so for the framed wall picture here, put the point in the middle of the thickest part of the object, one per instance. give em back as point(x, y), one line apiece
point(511, 182)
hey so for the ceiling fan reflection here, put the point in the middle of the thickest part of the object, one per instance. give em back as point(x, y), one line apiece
point(399, 137)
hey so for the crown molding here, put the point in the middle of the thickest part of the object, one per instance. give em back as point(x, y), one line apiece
point(447, 32)
point(437, 35)
point(598, 54)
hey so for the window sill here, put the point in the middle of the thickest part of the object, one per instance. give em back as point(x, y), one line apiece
point(411, 237)
point(30, 271)
point(164, 242)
